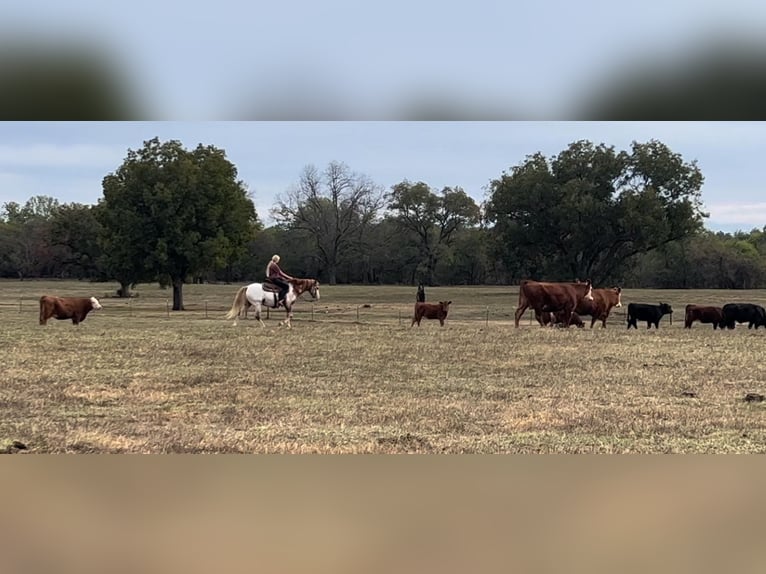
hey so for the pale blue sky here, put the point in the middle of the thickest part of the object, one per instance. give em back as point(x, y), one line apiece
point(233, 59)
point(69, 160)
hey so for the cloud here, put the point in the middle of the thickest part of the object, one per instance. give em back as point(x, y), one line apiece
point(57, 156)
point(745, 214)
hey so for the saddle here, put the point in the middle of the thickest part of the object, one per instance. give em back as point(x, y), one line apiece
point(269, 287)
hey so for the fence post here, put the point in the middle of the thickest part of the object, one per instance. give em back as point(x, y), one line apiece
point(167, 308)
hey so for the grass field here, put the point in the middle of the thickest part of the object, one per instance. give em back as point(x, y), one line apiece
point(353, 377)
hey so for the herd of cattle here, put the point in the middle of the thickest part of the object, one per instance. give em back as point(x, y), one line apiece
point(563, 304)
point(554, 304)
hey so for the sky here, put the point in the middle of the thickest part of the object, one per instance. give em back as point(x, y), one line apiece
point(68, 161)
point(237, 59)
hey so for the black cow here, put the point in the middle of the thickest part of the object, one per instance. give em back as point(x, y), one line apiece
point(753, 315)
point(649, 313)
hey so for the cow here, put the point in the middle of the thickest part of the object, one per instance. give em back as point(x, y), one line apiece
point(74, 308)
point(703, 314)
point(753, 315)
point(552, 297)
point(552, 319)
point(431, 311)
point(601, 305)
point(649, 313)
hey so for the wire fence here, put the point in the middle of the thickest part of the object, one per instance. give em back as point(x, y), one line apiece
point(215, 309)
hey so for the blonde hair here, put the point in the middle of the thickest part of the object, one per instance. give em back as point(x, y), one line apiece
point(275, 258)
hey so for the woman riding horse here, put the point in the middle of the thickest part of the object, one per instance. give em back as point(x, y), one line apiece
point(279, 278)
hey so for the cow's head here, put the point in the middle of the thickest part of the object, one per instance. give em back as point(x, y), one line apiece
point(589, 292)
point(95, 303)
point(445, 304)
point(618, 290)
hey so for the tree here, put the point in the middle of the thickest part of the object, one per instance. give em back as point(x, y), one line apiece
point(168, 214)
point(433, 218)
point(335, 207)
point(27, 236)
point(589, 209)
point(75, 231)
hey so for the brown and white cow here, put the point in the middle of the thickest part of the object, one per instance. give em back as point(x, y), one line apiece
point(704, 314)
point(552, 297)
point(601, 305)
point(74, 308)
point(431, 311)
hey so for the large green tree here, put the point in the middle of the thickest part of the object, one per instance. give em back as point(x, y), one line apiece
point(432, 218)
point(588, 210)
point(170, 214)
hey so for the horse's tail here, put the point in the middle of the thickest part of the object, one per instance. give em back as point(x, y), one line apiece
point(239, 302)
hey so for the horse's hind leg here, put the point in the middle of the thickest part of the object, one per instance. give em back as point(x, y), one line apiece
point(258, 315)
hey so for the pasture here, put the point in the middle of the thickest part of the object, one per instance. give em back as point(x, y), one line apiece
point(353, 377)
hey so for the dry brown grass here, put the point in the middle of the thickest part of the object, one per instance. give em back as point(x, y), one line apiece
point(133, 379)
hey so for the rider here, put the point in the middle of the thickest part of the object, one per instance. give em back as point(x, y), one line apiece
point(278, 277)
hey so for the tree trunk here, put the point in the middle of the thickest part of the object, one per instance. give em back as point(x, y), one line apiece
point(331, 274)
point(124, 290)
point(431, 270)
point(178, 295)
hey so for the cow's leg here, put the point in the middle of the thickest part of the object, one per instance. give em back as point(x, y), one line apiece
point(520, 313)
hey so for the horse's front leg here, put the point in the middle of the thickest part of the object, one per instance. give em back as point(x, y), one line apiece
point(287, 322)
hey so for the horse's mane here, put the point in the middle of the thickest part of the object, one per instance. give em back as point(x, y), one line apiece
point(302, 284)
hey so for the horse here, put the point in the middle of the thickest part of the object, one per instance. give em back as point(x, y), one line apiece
point(257, 294)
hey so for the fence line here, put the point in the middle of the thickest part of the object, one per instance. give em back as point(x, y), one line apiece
point(386, 313)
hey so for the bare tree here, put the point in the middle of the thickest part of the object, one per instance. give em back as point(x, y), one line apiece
point(335, 206)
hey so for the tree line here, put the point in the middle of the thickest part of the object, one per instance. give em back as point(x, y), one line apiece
point(171, 215)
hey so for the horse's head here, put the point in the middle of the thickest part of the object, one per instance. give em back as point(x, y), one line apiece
point(314, 290)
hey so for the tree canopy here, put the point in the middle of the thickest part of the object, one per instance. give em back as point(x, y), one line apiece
point(168, 213)
point(629, 217)
point(587, 211)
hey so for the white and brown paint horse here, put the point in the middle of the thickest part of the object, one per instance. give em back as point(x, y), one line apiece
point(256, 295)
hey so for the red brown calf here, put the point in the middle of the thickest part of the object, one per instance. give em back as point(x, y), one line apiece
point(431, 311)
point(74, 308)
point(704, 314)
point(553, 319)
